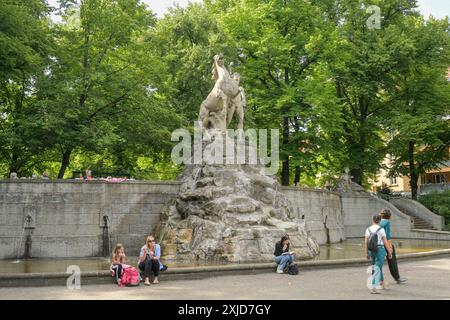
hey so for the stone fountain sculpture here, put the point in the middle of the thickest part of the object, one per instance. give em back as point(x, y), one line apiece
point(225, 99)
point(228, 212)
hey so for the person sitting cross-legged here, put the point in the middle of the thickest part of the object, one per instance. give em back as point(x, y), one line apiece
point(283, 257)
point(149, 260)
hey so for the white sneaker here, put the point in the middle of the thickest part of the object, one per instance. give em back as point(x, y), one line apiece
point(279, 271)
point(382, 286)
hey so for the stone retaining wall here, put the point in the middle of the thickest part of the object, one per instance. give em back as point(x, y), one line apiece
point(416, 208)
point(67, 215)
point(321, 211)
point(358, 209)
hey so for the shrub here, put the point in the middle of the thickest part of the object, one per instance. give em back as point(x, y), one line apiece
point(439, 203)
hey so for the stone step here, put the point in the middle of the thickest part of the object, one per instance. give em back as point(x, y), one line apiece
point(421, 224)
point(418, 223)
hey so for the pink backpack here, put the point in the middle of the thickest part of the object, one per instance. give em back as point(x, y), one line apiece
point(130, 277)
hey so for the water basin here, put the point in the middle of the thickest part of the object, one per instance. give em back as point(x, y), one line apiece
point(352, 248)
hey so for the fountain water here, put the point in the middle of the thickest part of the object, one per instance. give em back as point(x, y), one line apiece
point(26, 225)
point(106, 237)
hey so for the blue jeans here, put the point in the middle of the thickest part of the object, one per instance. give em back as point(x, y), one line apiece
point(377, 265)
point(283, 260)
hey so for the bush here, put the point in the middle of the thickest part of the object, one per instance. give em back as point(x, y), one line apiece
point(439, 203)
point(384, 192)
point(384, 189)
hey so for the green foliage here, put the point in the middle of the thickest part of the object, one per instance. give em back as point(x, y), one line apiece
point(104, 88)
point(278, 49)
point(24, 47)
point(439, 203)
point(418, 124)
point(384, 189)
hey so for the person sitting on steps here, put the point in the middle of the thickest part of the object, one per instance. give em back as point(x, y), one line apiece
point(117, 261)
point(149, 260)
point(283, 257)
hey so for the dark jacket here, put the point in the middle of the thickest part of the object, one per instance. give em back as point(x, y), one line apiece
point(279, 249)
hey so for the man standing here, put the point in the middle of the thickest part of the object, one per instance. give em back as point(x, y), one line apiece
point(385, 223)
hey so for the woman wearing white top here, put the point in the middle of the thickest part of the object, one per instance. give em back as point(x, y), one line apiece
point(378, 256)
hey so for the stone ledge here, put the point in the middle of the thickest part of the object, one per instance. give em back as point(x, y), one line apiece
point(432, 231)
point(74, 181)
point(191, 273)
point(310, 189)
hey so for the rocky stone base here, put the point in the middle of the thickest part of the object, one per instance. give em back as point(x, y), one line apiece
point(231, 213)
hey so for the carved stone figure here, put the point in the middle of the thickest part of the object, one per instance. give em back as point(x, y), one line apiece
point(346, 184)
point(226, 98)
point(229, 212)
point(237, 104)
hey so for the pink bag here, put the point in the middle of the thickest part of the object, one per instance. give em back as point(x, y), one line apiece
point(130, 277)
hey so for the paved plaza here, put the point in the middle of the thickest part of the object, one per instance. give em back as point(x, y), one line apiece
point(427, 279)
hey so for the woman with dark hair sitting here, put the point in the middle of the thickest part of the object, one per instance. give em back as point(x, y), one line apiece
point(282, 255)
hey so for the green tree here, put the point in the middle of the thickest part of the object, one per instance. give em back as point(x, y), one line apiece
point(99, 91)
point(367, 58)
point(419, 132)
point(279, 46)
point(24, 44)
point(185, 41)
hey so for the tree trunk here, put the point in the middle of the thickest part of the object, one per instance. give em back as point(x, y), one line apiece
point(64, 163)
point(13, 167)
point(297, 176)
point(356, 175)
point(414, 177)
point(285, 177)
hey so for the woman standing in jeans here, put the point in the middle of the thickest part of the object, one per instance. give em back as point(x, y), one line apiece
point(282, 255)
point(149, 260)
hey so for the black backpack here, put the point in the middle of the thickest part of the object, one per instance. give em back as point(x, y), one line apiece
point(372, 242)
point(293, 269)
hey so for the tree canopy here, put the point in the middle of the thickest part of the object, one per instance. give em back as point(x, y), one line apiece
point(105, 85)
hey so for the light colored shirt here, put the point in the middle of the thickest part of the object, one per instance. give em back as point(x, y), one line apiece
point(157, 254)
point(381, 233)
point(386, 225)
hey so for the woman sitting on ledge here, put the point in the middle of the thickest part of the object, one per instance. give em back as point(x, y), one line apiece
point(149, 260)
point(283, 257)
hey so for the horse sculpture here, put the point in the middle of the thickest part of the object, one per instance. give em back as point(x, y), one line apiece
point(226, 98)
